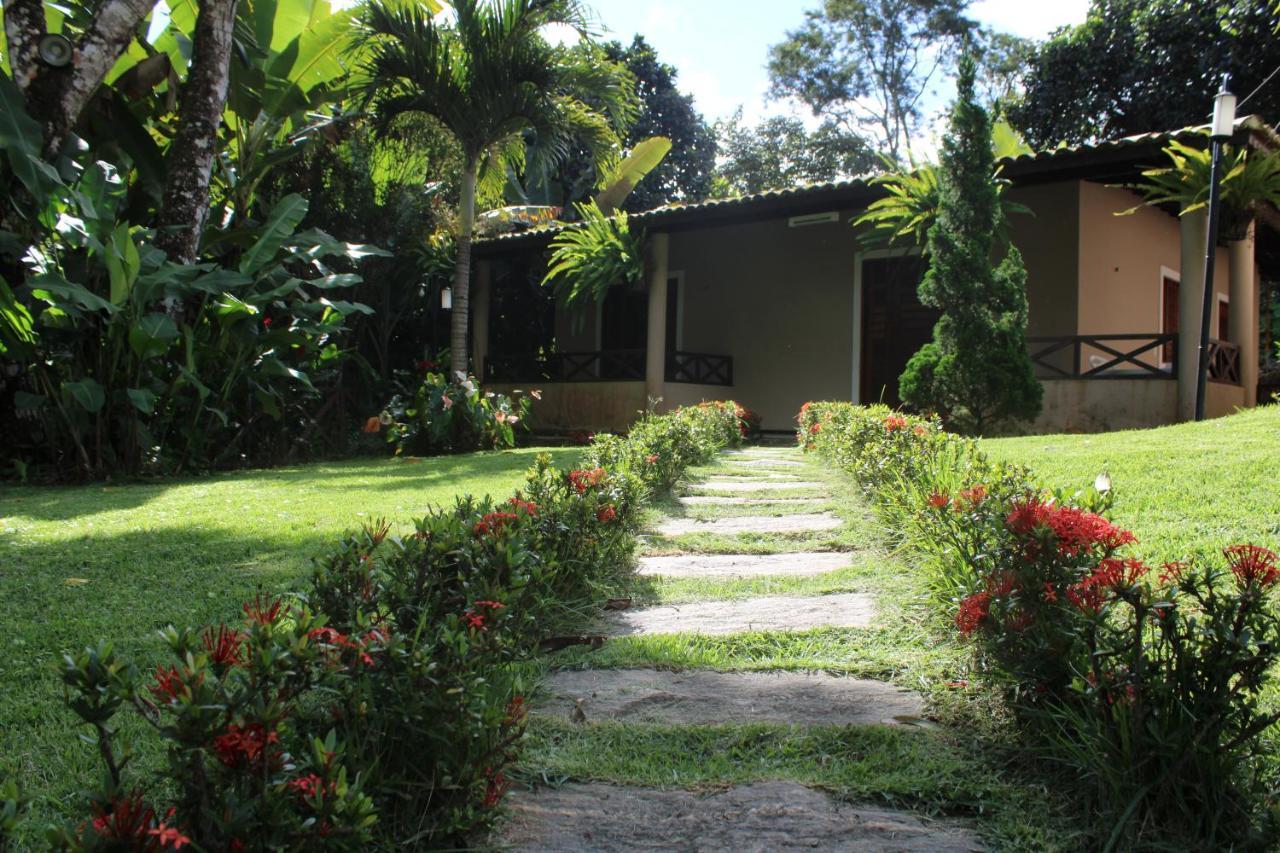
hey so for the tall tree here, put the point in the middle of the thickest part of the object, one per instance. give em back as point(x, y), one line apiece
point(493, 80)
point(1136, 66)
point(685, 174)
point(780, 152)
point(866, 64)
point(57, 94)
point(189, 163)
point(976, 371)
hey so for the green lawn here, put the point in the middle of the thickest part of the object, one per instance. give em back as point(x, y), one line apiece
point(176, 551)
point(1184, 490)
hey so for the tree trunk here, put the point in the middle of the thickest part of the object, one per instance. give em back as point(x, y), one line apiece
point(57, 96)
point(462, 272)
point(190, 159)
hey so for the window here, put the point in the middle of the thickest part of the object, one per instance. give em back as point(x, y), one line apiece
point(1168, 314)
point(1224, 318)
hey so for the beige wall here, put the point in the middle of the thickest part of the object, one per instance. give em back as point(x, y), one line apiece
point(1047, 241)
point(597, 406)
point(780, 301)
point(1120, 259)
point(1101, 405)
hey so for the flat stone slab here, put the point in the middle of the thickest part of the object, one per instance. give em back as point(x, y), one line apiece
point(703, 500)
point(741, 484)
point(794, 523)
point(701, 698)
point(766, 462)
point(764, 816)
point(743, 565)
point(769, 613)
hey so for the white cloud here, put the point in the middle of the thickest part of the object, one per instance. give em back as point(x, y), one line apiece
point(1029, 18)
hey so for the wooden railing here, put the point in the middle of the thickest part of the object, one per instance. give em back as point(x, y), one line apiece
point(1104, 356)
point(602, 366)
point(607, 366)
point(700, 368)
point(1224, 361)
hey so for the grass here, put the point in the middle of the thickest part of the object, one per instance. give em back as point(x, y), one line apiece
point(1185, 490)
point(119, 562)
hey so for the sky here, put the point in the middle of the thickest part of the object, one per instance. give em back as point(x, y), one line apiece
point(720, 47)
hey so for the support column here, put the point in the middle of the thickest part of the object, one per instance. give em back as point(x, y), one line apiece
point(1194, 230)
point(655, 364)
point(1242, 319)
point(480, 288)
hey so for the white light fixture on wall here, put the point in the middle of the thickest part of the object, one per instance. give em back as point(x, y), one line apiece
point(446, 298)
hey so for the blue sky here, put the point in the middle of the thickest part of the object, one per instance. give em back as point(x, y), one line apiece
point(720, 46)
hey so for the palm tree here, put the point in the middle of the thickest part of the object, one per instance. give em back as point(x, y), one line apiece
point(509, 97)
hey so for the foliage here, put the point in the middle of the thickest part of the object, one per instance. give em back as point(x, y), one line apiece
point(591, 256)
point(685, 174)
point(1250, 181)
point(865, 64)
point(1150, 689)
point(780, 152)
point(911, 206)
point(664, 112)
point(511, 99)
point(658, 448)
point(442, 416)
point(244, 711)
point(1139, 66)
point(976, 372)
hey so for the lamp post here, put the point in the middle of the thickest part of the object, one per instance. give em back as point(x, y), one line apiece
point(1224, 120)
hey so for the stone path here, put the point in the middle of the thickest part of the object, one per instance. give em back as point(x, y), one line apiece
point(762, 816)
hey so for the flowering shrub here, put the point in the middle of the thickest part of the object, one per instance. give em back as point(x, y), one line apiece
point(658, 448)
point(252, 756)
point(438, 416)
point(1146, 679)
point(384, 712)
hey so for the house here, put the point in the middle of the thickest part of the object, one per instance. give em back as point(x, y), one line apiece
point(771, 300)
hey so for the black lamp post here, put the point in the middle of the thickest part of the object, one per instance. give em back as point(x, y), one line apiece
point(1224, 120)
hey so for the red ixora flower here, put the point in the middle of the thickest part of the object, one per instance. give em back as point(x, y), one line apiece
point(919, 429)
point(938, 500)
point(263, 610)
point(606, 513)
point(815, 429)
point(266, 322)
point(425, 364)
point(973, 611)
point(1074, 530)
point(170, 686)
point(222, 645)
point(651, 458)
point(247, 746)
point(1252, 565)
point(493, 522)
point(973, 495)
point(894, 422)
point(1050, 593)
point(527, 507)
point(495, 787)
point(474, 620)
point(583, 480)
point(309, 786)
point(339, 641)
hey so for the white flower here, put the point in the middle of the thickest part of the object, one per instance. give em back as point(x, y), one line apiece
point(512, 419)
point(1103, 482)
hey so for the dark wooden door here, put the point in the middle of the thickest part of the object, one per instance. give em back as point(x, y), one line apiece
point(894, 324)
point(1168, 315)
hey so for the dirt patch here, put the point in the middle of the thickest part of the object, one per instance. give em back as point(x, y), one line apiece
point(701, 698)
point(764, 816)
point(770, 613)
point(703, 500)
point(753, 485)
point(743, 565)
point(796, 523)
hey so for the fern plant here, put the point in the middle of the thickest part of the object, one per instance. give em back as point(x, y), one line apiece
point(594, 254)
point(1250, 180)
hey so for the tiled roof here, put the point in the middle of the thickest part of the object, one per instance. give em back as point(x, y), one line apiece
point(1074, 157)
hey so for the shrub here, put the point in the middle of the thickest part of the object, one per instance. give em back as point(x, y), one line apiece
point(252, 759)
point(1148, 682)
point(438, 416)
point(658, 448)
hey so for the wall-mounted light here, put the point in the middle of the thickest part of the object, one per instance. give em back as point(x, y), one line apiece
point(1224, 114)
point(55, 50)
point(446, 298)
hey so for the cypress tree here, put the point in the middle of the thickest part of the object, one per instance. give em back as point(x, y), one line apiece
point(976, 372)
